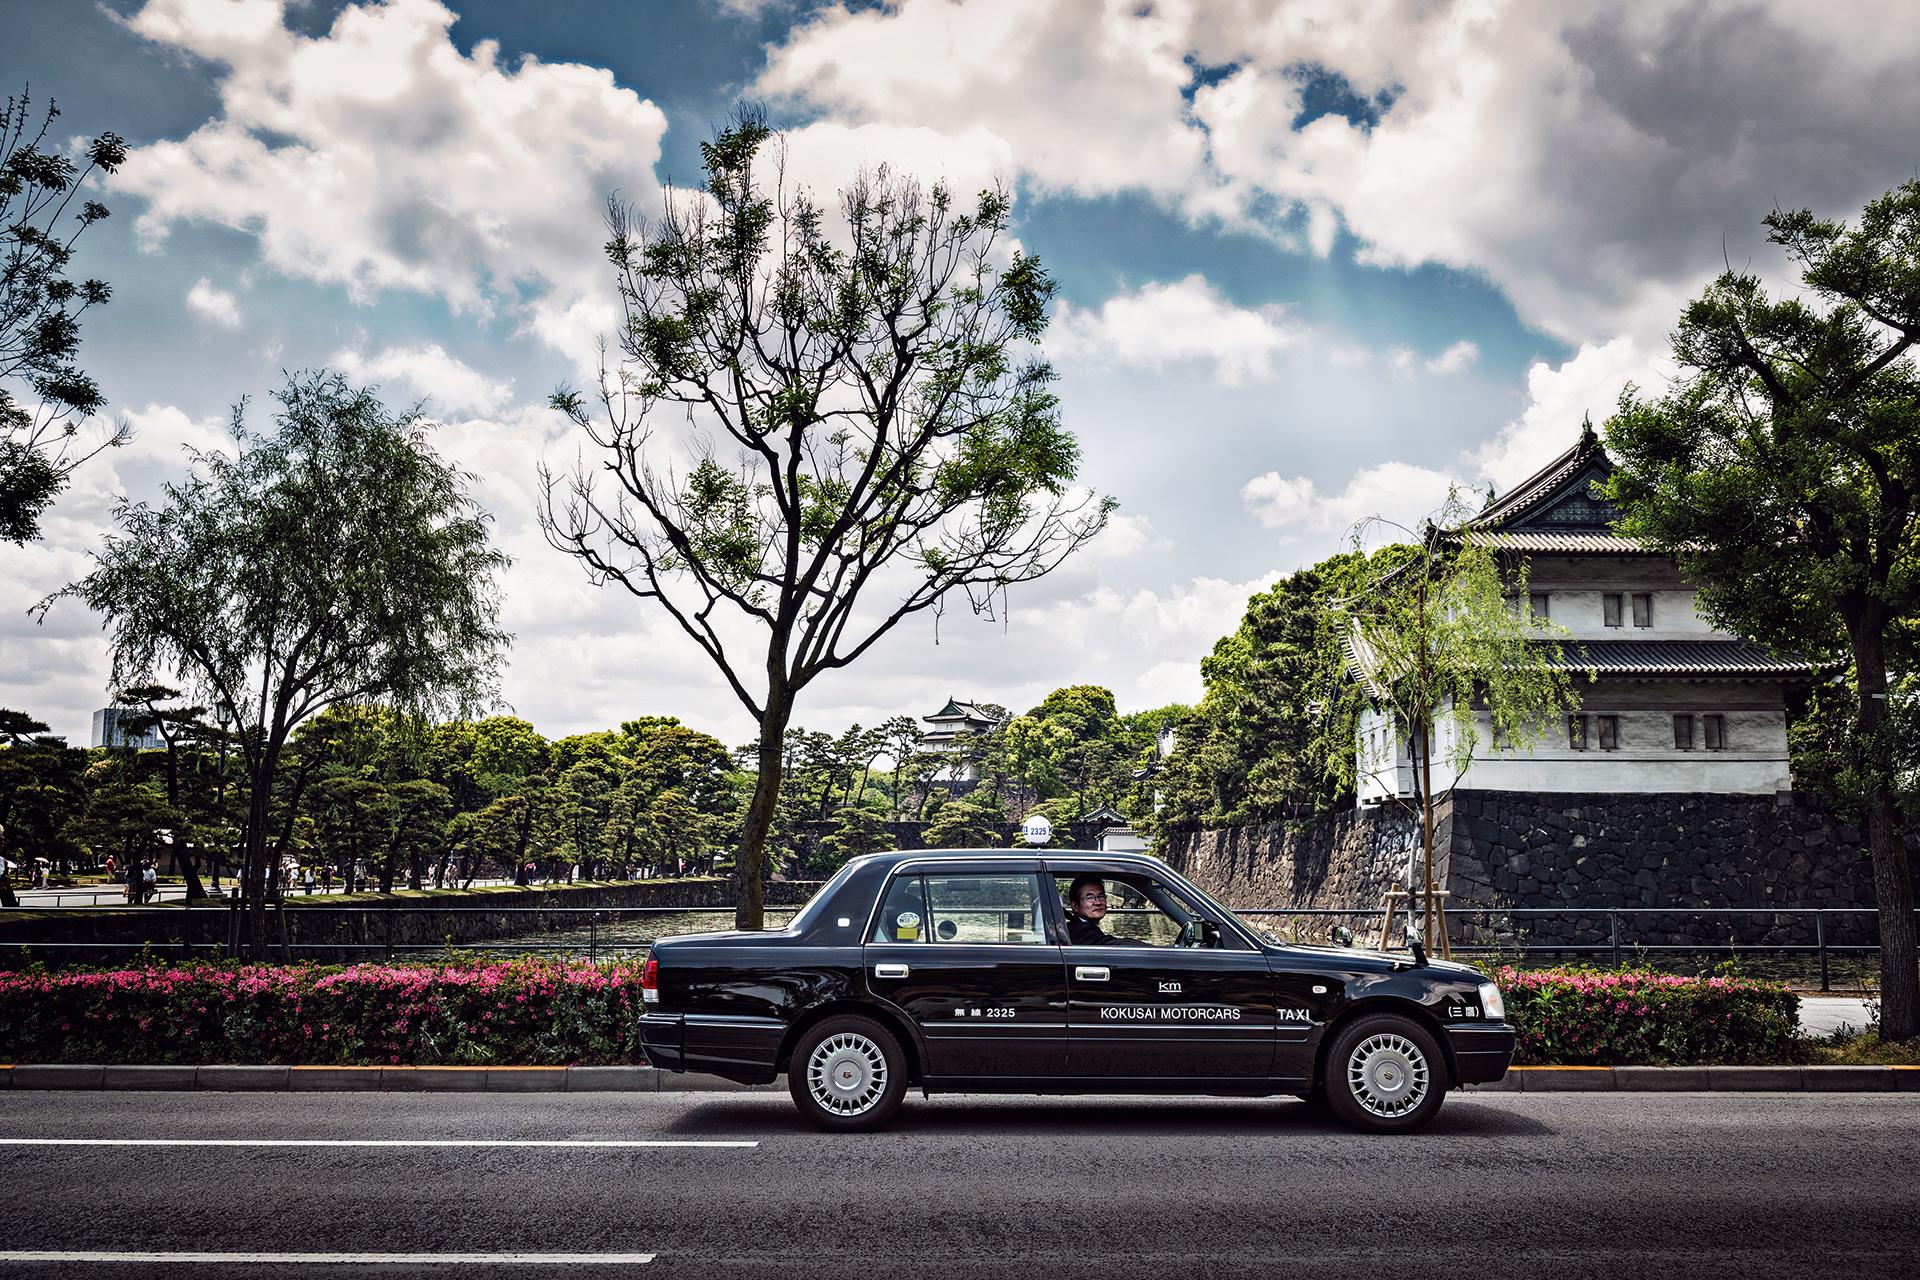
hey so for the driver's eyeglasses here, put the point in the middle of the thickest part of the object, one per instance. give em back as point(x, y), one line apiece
point(1093, 897)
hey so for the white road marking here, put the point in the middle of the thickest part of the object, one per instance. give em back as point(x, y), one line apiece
point(369, 1142)
point(364, 1259)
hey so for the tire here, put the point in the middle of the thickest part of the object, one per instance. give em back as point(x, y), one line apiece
point(847, 1075)
point(1385, 1074)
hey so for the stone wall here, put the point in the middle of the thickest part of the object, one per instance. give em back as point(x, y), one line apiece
point(1677, 850)
point(362, 927)
point(1346, 859)
point(1515, 852)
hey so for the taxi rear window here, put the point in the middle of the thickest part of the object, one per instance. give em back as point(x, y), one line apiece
point(960, 908)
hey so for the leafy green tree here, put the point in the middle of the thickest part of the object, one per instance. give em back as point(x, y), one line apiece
point(335, 560)
point(855, 832)
point(1068, 747)
point(1437, 643)
point(960, 824)
point(44, 394)
point(42, 789)
point(579, 810)
point(353, 823)
point(902, 736)
point(477, 760)
point(421, 810)
point(176, 726)
point(1259, 746)
point(1782, 470)
point(127, 818)
point(889, 436)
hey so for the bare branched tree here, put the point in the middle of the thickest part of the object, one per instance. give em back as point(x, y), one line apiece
point(866, 423)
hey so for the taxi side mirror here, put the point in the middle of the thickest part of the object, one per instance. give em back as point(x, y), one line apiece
point(1341, 935)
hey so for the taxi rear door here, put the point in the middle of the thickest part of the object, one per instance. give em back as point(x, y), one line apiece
point(966, 954)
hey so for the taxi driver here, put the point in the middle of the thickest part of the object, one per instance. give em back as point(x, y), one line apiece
point(1086, 907)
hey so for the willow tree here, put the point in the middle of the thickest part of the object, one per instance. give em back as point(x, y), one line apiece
point(334, 560)
point(1782, 470)
point(1433, 637)
point(819, 421)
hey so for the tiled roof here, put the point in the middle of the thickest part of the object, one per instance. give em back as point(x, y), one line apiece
point(1540, 484)
point(1543, 540)
point(1677, 658)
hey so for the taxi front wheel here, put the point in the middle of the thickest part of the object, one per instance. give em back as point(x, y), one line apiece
point(848, 1074)
point(1385, 1074)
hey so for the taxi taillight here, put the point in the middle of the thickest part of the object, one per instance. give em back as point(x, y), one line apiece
point(650, 975)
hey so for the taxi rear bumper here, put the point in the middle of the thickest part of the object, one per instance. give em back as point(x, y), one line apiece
point(1482, 1053)
point(738, 1047)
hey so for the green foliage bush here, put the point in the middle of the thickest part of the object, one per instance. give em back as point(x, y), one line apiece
point(476, 1012)
point(1640, 1017)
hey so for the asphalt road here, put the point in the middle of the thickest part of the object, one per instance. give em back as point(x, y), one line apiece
point(1538, 1185)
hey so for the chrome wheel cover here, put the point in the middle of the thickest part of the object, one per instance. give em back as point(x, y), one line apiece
point(1388, 1075)
point(846, 1074)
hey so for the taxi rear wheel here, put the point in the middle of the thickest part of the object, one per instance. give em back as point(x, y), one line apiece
point(848, 1074)
point(1385, 1074)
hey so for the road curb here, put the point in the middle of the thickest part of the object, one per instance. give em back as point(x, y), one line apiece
point(1710, 1079)
point(335, 1079)
point(628, 1079)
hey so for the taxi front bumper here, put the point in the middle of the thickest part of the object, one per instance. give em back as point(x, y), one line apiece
point(1481, 1053)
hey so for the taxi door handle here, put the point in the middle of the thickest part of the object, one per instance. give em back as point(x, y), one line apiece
point(1091, 973)
point(889, 971)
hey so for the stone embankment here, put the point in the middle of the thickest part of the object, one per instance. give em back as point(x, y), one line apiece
point(1668, 859)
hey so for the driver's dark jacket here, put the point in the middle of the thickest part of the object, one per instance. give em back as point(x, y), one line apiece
point(1086, 933)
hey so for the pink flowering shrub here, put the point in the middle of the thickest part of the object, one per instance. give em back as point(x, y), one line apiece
point(1590, 1017)
point(521, 1011)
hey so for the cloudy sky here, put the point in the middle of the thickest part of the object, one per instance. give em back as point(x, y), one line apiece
point(1317, 260)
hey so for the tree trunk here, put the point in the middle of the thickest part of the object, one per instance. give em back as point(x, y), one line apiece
point(253, 874)
point(749, 897)
point(1892, 878)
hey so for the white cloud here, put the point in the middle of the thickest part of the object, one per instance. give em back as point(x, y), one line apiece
point(1165, 324)
point(1395, 491)
point(1559, 398)
point(214, 305)
point(450, 385)
point(378, 157)
point(1587, 160)
point(1458, 358)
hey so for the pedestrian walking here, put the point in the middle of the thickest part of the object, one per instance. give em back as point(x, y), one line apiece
point(136, 883)
point(326, 877)
point(306, 880)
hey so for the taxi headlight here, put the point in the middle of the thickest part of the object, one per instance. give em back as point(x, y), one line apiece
point(1491, 1004)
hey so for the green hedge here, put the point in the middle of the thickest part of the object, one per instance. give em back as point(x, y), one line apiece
point(1639, 1017)
point(565, 1012)
point(519, 1011)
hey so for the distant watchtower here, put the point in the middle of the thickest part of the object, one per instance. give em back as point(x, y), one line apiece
point(952, 725)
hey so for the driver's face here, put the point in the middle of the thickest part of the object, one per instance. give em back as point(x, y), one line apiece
point(1091, 901)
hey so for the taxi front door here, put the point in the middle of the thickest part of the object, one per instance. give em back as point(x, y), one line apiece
point(1168, 1013)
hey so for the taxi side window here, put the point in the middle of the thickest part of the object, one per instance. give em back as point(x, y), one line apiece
point(985, 909)
point(903, 914)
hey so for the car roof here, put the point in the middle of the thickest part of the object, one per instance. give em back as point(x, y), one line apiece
point(894, 857)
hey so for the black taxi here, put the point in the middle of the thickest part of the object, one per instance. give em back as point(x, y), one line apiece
point(1060, 972)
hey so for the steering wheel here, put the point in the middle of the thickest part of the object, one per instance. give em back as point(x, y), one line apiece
point(1190, 934)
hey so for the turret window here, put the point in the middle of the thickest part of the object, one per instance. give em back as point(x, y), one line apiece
point(1609, 727)
point(1683, 733)
point(1610, 608)
point(1642, 609)
point(1713, 732)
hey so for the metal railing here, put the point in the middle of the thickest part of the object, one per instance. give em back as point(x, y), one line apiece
point(228, 925)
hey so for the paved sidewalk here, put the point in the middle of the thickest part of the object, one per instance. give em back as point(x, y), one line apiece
point(1824, 1015)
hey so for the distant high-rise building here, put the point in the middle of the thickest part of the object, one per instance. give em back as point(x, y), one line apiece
point(107, 730)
